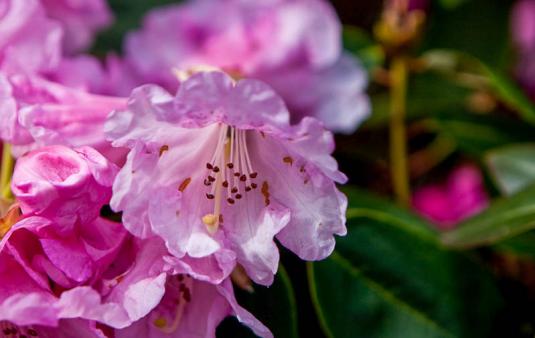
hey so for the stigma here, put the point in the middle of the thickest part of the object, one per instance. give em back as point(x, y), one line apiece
point(230, 173)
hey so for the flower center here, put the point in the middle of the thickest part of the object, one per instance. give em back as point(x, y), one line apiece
point(230, 173)
point(175, 304)
point(13, 331)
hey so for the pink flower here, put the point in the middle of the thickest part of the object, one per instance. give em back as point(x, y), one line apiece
point(292, 45)
point(81, 20)
point(29, 41)
point(68, 186)
point(461, 196)
point(63, 261)
point(35, 112)
point(218, 167)
point(65, 329)
point(523, 29)
point(190, 309)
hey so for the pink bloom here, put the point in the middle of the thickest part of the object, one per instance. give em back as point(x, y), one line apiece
point(218, 167)
point(192, 309)
point(36, 112)
point(68, 186)
point(29, 41)
point(292, 45)
point(523, 28)
point(81, 20)
point(461, 196)
point(65, 329)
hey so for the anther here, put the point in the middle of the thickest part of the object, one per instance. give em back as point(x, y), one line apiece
point(237, 174)
point(253, 175)
point(248, 188)
point(211, 179)
point(243, 178)
point(216, 169)
point(230, 200)
point(253, 185)
point(210, 196)
point(234, 190)
point(238, 196)
point(209, 166)
point(207, 182)
point(230, 165)
point(225, 184)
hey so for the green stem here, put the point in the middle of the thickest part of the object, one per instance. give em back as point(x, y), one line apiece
point(6, 171)
point(398, 137)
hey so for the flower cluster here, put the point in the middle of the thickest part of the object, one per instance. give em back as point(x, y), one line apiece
point(210, 140)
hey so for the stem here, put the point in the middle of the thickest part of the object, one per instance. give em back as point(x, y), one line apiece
point(6, 171)
point(398, 138)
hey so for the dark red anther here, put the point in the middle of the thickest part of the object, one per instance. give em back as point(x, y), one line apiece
point(225, 184)
point(253, 185)
point(230, 165)
point(248, 188)
point(216, 169)
point(207, 182)
point(230, 200)
point(253, 175)
point(238, 196)
point(237, 174)
point(211, 179)
point(209, 166)
point(234, 190)
point(243, 178)
point(210, 196)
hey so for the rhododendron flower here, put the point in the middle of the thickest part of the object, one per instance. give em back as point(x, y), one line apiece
point(184, 308)
point(36, 112)
point(81, 20)
point(295, 46)
point(219, 167)
point(461, 196)
point(65, 329)
point(68, 186)
point(29, 41)
point(523, 29)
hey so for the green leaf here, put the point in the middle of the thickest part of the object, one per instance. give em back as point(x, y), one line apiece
point(512, 167)
point(504, 219)
point(477, 27)
point(522, 246)
point(275, 307)
point(359, 43)
point(511, 94)
point(386, 280)
point(476, 134)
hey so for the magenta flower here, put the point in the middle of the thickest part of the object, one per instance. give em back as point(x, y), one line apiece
point(29, 41)
point(67, 186)
point(36, 112)
point(461, 196)
point(523, 29)
point(81, 20)
point(65, 329)
point(183, 310)
point(219, 167)
point(295, 46)
point(51, 271)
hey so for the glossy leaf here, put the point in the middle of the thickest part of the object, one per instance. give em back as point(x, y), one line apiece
point(512, 167)
point(387, 279)
point(504, 219)
point(274, 306)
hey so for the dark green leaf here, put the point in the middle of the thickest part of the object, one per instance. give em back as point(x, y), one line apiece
point(384, 281)
point(275, 307)
point(504, 219)
point(477, 27)
point(522, 246)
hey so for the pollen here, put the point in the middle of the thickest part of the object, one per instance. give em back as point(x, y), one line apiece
point(184, 184)
point(210, 220)
point(160, 322)
point(163, 149)
point(288, 159)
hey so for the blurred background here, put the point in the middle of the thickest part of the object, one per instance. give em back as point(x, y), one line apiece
point(453, 254)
